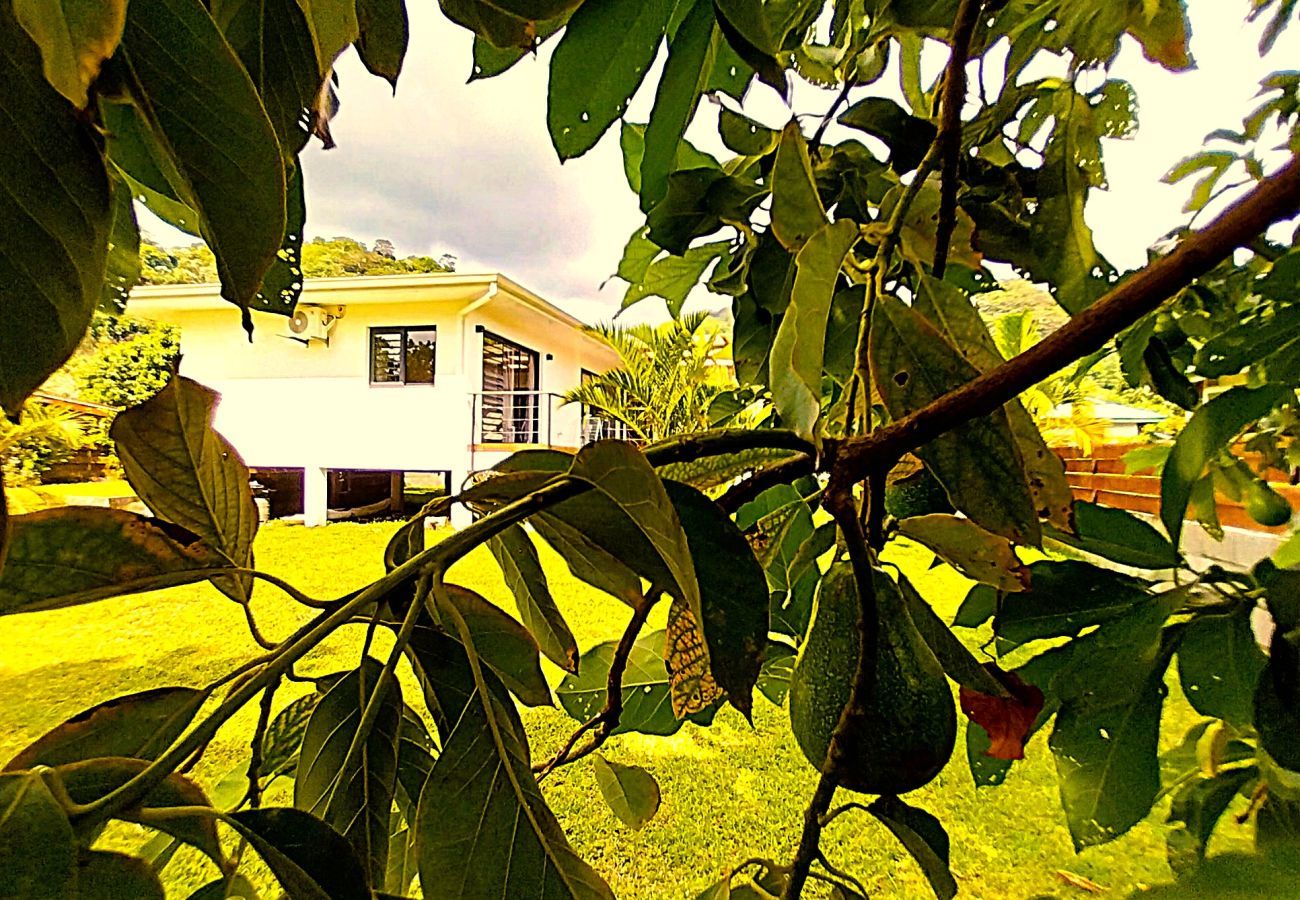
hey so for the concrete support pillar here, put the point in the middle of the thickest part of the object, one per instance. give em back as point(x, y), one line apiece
point(460, 515)
point(315, 496)
point(396, 490)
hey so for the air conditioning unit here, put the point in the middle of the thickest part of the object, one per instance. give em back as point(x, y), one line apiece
point(313, 323)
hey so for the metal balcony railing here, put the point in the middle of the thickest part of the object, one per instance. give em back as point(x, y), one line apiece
point(513, 417)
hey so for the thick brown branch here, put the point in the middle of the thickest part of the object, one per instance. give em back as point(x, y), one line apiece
point(948, 140)
point(1273, 199)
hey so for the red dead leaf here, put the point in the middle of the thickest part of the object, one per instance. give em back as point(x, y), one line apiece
point(1007, 720)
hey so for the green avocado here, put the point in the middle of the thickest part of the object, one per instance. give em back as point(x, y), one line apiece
point(906, 734)
point(919, 494)
point(1265, 505)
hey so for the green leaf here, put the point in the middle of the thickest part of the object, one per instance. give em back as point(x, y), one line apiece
point(1209, 431)
point(106, 875)
point(733, 593)
point(638, 254)
point(355, 801)
point(514, 552)
point(75, 37)
point(698, 202)
point(491, 61)
point(37, 848)
point(768, 25)
point(211, 102)
point(1196, 810)
point(138, 157)
point(647, 706)
point(622, 473)
point(274, 42)
point(283, 739)
point(505, 645)
point(691, 53)
point(1065, 597)
point(779, 522)
point(235, 886)
point(950, 309)
point(482, 806)
point(1119, 536)
point(980, 605)
point(631, 792)
point(977, 463)
point(745, 136)
point(923, 837)
point(1163, 31)
point(1277, 701)
point(1219, 665)
point(604, 55)
point(122, 268)
point(795, 369)
point(797, 211)
point(334, 24)
point(958, 663)
point(310, 859)
point(282, 285)
point(673, 277)
point(139, 725)
point(57, 211)
point(403, 860)
point(385, 33)
point(187, 473)
point(90, 779)
point(588, 561)
point(774, 677)
point(990, 771)
point(907, 137)
point(969, 549)
point(1105, 742)
point(76, 554)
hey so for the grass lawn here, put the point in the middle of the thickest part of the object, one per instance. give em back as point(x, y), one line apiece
point(730, 792)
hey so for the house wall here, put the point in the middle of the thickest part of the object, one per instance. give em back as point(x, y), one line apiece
point(289, 404)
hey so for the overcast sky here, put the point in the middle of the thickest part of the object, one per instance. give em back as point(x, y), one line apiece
point(467, 168)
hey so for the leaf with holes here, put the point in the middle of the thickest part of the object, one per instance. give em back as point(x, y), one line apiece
point(355, 800)
point(187, 473)
point(976, 553)
point(978, 462)
point(1219, 666)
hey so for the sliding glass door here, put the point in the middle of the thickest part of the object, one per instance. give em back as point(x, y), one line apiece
point(510, 401)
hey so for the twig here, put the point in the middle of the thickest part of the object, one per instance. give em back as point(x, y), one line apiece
point(602, 724)
point(948, 139)
point(830, 114)
point(254, 794)
point(1274, 199)
point(841, 810)
point(262, 641)
point(840, 873)
point(784, 472)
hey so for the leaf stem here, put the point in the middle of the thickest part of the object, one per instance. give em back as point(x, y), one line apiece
point(948, 138)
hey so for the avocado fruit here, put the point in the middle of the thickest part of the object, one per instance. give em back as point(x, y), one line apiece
point(919, 494)
point(906, 733)
point(1265, 505)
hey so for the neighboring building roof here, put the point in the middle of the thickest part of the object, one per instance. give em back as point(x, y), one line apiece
point(1116, 413)
point(359, 289)
point(102, 410)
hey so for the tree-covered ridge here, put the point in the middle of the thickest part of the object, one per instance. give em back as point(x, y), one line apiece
point(321, 258)
point(854, 273)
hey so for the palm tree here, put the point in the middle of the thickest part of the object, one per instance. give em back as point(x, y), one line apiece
point(43, 430)
point(667, 377)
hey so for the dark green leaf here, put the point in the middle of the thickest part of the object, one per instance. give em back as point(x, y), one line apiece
point(588, 561)
point(122, 270)
point(795, 370)
point(211, 102)
point(90, 779)
point(234, 886)
point(733, 593)
point(1106, 741)
point(647, 707)
point(415, 756)
point(57, 211)
point(283, 739)
point(1209, 431)
point(631, 792)
point(1219, 665)
point(691, 53)
point(37, 848)
point(1196, 810)
point(774, 677)
point(105, 875)
point(673, 277)
point(75, 38)
point(1277, 825)
point(187, 473)
point(356, 800)
point(1277, 701)
point(282, 285)
point(403, 860)
point(698, 202)
point(980, 605)
point(1119, 536)
point(605, 53)
point(638, 254)
point(504, 644)
point(274, 42)
point(978, 463)
point(76, 554)
point(1065, 597)
point(310, 859)
point(907, 137)
point(990, 771)
point(923, 837)
point(136, 154)
point(631, 140)
point(490, 61)
point(976, 553)
point(482, 807)
point(517, 557)
point(958, 663)
point(797, 212)
point(385, 32)
point(442, 665)
point(745, 136)
point(135, 725)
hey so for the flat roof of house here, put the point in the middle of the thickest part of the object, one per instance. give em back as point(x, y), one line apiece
point(359, 289)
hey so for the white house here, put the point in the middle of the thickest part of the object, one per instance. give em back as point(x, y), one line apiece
point(384, 381)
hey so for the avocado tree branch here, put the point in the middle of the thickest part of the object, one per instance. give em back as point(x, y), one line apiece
point(948, 140)
point(1275, 198)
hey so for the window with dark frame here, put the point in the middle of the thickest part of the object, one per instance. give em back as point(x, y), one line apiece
point(511, 381)
point(403, 355)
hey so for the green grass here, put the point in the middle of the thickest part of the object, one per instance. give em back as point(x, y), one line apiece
point(730, 792)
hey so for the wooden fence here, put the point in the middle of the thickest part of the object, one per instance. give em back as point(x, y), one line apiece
point(1100, 477)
